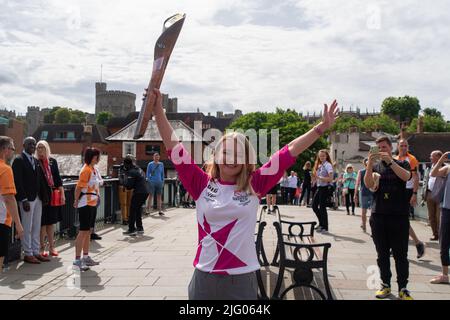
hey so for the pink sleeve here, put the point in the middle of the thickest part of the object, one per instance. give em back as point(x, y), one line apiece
point(269, 174)
point(191, 176)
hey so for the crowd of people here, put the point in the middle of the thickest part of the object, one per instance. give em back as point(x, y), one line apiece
point(227, 193)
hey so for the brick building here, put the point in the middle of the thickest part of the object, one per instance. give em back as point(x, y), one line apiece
point(72, 138)
point(15, 129)
point(122, 143)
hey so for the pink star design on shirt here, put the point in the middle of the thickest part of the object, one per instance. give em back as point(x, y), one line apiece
point(226, 260)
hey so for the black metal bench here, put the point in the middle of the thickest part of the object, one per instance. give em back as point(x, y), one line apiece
point(262, 294)
point(297, 249)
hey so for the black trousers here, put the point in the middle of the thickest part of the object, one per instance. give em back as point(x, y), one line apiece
point(306, 190)
point(284, 194)
point(410, 192)
point(319, 206)
point(349, 200)
point(444, 236)
point(135, 218)
point(291, 195)
point(391, 232)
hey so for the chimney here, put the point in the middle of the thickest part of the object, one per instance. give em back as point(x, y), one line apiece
point(420, 125)
point(403, 133)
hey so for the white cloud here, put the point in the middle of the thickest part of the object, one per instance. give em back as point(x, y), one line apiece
point(249, 55)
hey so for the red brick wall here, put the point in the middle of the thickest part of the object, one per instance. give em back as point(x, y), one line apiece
point(74, 147)
point(16, 130)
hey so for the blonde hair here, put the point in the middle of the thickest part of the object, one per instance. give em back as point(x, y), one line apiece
point(48, 152)
point(306, 164)
point(249, 163)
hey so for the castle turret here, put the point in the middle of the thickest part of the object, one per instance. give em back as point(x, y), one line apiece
point(118, 103)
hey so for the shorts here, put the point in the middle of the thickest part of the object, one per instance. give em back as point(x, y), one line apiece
point(5, 238)
point(366, 202)
point(86, 215)
point(274, 190)
point(155, 187)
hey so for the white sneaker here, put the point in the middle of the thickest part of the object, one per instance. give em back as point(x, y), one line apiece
point(90, 262)
point(80, 265)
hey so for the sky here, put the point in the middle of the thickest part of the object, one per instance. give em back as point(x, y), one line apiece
point(252, 55)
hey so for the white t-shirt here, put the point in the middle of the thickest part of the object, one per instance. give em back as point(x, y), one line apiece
point(292, 182)
point(226, 218)
point(324, 171)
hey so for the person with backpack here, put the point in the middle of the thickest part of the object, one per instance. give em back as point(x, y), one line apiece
point(135, 180)
point(443, 196)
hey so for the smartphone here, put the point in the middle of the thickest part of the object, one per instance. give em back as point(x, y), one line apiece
point(448, 156)
point(374, 149)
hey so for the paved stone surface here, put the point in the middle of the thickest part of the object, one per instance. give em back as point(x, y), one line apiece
point(158, 265)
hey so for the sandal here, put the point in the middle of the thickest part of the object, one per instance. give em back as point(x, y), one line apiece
point(43, 252)
point(53, 252)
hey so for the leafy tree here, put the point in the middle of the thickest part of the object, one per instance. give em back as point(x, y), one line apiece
point(402, 108)
point(432, 112)
point(381, 123)
point(103, 117)
point(77, 116)
point(430, 124)
point(62, 116)
point(344, 123)
point(49, 118)
point(290, 125)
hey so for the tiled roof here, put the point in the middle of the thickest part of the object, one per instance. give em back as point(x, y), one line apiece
point(70, 164)
point(422, 144)
point(99, 133)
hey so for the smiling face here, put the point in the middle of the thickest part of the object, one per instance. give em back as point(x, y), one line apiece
point(322, 156)
point(41, 151)
point(230, 158)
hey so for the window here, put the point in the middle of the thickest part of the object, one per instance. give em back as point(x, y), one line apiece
point(128, 148)
point(44, 135)
point(152, 148)
point(65, 135)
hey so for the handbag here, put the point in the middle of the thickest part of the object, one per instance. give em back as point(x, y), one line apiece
point(56, 198)
point(437, 194)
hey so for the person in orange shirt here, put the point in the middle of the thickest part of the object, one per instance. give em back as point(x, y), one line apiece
point(87, 198)
point(8, 204)
point(411, 186)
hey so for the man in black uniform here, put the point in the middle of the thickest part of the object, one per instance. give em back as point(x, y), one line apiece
point(135, 179)
point(390, 216)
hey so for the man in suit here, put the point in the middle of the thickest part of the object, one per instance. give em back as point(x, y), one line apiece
point(29, 181)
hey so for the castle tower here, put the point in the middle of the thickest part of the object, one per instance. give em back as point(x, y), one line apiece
point(118, 103)
point(34, 119)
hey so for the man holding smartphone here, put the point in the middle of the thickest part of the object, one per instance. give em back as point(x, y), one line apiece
point(389, 220)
